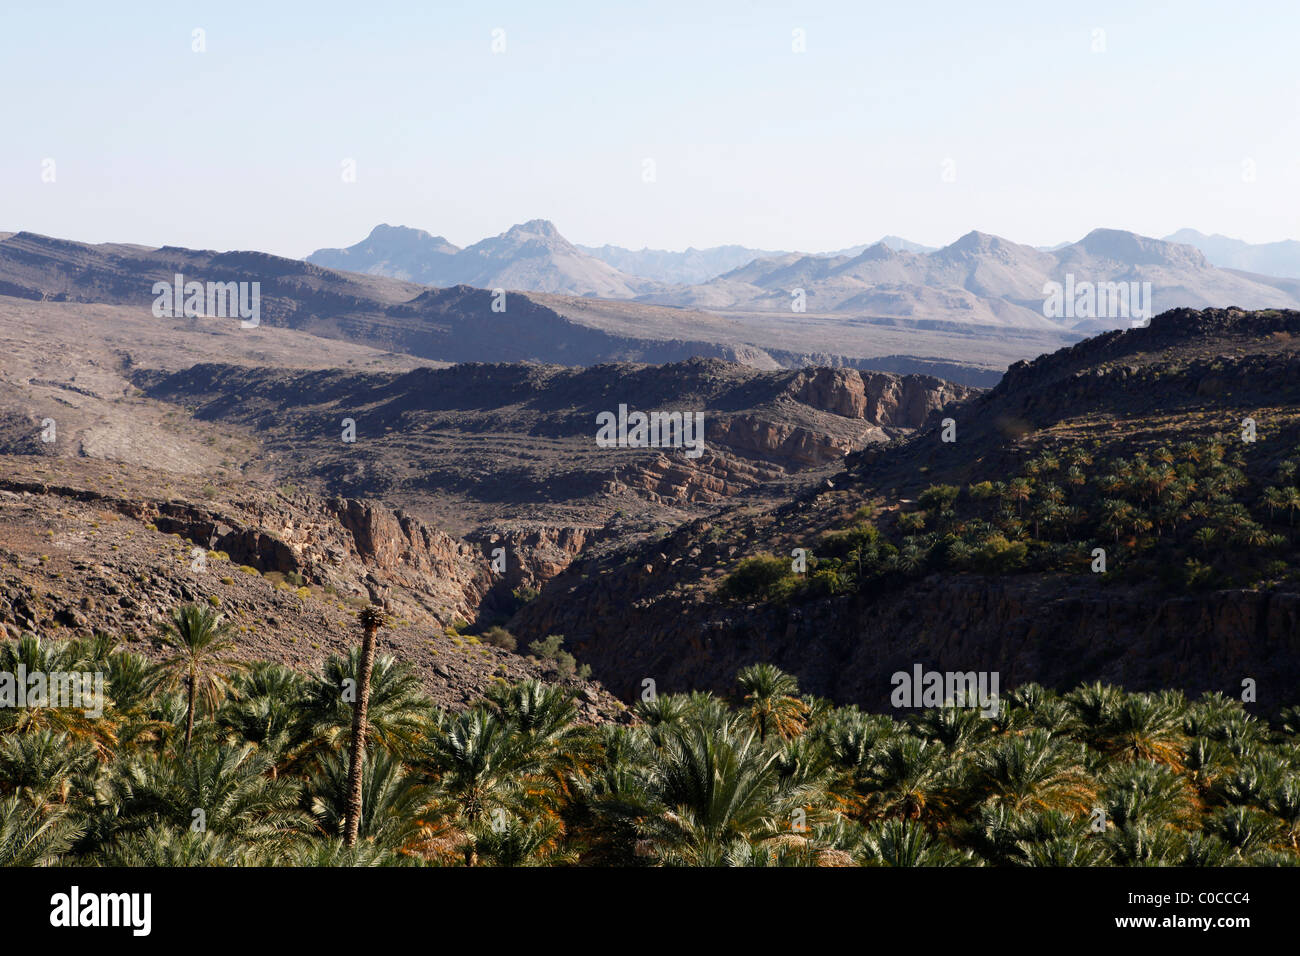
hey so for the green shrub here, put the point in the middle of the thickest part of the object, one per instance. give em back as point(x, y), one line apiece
point(524, 594)
point(996, 555)
point(565, 664)
point(500, 637)
point(548, 647)
point(938, 498)
point(759, 579)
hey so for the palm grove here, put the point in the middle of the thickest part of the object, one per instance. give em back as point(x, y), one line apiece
point(199, 760)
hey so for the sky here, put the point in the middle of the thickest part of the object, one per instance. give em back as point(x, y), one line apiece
point(809, 126)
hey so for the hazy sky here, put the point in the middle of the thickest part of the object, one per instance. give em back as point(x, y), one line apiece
point(1189, 117)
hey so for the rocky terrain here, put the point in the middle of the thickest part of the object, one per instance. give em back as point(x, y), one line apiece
point(147, 462)
point(474, 445)
point(654, 609)
point(130, 441)
point(461, 323)
point(98, 547)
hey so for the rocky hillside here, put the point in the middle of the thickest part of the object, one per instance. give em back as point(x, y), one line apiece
point(1131, 441)
point(472, 322)
point(455, 324)
point(96, 547)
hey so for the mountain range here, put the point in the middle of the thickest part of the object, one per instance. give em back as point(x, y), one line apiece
point(980, 280)
point(531, 256)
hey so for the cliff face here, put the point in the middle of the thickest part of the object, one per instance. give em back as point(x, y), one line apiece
point(882, 398)
point(532, 555)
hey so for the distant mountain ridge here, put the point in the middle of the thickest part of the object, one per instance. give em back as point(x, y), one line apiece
point(534, 257)
point(531, 256)
point(700, 265)
point(985, 280)
point(978, 281)
point(1268, 258)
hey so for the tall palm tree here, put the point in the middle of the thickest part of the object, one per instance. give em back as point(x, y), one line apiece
point(372, 619)
point(201, 639)
point(395, 801)
point(394, 712)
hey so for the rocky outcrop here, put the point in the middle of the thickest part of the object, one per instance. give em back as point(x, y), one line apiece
point(795, 445)
point(653, 609)
point(328, 542)
point(532, 556)
point(881, 398)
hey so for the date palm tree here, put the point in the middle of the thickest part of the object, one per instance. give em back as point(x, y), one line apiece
point(909, 778)
point(34, 836)
point(49, 657)
point(509, 841)
point(1290, 500)
point(1143, 727)
point(907, 843)
point(201, 639)
point(394, 711)
point(719, 784)
point(480, 765)
point(41, 766)
point(772, 697)
point(1036, 771)
point(1145, 792)
point(266, 707)
point(218, 789)
point(395, 801)
point(372, 619)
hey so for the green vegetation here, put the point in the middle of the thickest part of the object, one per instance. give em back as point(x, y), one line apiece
point(762, 578)
point(771, 778)
point(1194, 516)
point(500, 637)
point(549, 649)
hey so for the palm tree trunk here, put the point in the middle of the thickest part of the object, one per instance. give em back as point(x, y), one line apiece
point(359, 730)
point(189, 714)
